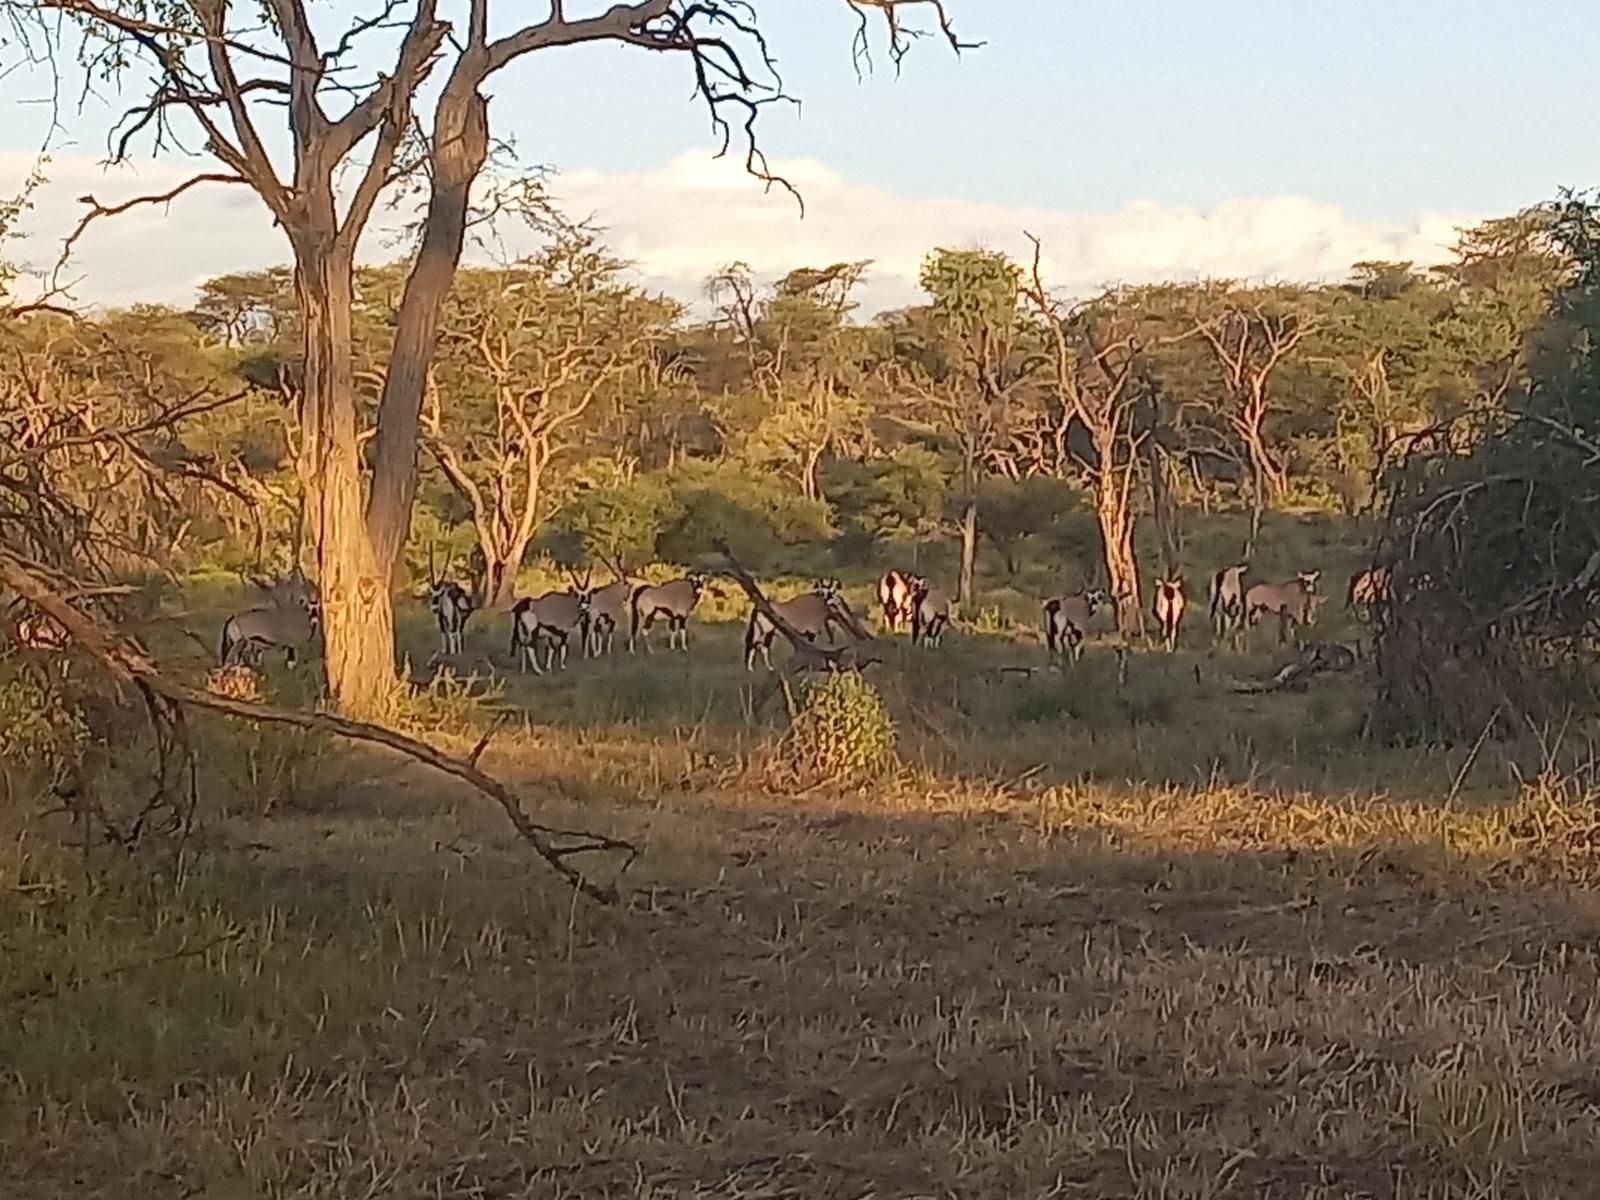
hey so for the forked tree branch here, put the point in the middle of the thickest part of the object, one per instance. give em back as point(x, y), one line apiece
point(126, 664)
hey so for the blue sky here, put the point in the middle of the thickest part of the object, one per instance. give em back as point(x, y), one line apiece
point(1386, 111)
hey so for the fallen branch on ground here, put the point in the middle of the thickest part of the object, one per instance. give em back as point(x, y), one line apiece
point(125, 663)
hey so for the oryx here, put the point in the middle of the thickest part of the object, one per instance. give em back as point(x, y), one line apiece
point(451, 605)
point(556, 617)
point(1169, 606)
point(930, 612)
point(1294, 603)
point(289, 623)
point(1066, 620)
point(1369, 587)
point(673, 601)
point(607, 606)
point(894, 598)
point(813, 614)
point(1227, 599)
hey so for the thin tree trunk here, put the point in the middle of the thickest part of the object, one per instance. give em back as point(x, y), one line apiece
point(1169, 521)
point(461, 143)
point(1257, 504)
point(969, 550)
point(357, 614)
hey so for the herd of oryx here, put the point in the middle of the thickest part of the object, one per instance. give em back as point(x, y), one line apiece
point(544, 628)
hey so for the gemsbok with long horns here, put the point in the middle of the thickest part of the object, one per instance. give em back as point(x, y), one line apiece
point(1066, 620)
point(1169, 605)
point(1294, 603)
point(930, 612)
point(1227, 600)
point(451, 605)
point(554, 618)
point(673, 602)
point(894, 598)
point(289, 623)
point(813, 615)
point(607, 608)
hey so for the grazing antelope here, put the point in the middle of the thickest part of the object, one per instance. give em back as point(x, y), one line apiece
point(674, 601)
point(1295, 602)
point(289, 624)
point(555, 617)
point(1227, 599)
point(451, 605)
point(930, 612)
point(1170, 603)
point(1369, 587)
point(606, 608)
point(894, 597)
point(813, 614)
point(1066, 620)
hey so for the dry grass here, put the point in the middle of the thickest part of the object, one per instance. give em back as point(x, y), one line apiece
point(1160, 943)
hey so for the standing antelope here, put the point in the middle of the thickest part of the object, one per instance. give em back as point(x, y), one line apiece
point(674, 601)
point(1295, 602)
point(812, 614)
point(894, 597)
point(606, 608)
point(451, 605)
point(289, 624)
point(930, 612)
point(1170, 603)
point(1227, 600)
point(1066, 620)
point(1369, 587)
point(554, 616)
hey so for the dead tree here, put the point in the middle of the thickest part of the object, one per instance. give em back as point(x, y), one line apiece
point(1250, 337)
point(1094, 350)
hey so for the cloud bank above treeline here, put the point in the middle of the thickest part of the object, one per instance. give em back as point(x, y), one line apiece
point(678, 222)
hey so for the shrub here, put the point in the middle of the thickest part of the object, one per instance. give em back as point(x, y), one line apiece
point(41, 727)
point(842, 733)
point(257, 768)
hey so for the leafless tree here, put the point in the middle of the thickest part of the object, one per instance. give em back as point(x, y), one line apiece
point(1094, 352)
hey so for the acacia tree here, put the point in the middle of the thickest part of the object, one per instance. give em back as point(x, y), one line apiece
point(1094, 355)
point(218, 69)
point(530, 355)
point(970, 376)
point(806, 362)
point(1251, 334)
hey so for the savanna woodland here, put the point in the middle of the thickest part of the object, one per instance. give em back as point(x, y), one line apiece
point(495, 730)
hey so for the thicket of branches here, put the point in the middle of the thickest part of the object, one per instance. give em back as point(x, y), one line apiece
point(1493, 532)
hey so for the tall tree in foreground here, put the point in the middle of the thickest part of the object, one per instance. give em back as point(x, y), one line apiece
point(222, 75)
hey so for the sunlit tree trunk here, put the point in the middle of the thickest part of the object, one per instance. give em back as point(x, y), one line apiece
point(1113, 510)
point(461, 144)
point(357, 617)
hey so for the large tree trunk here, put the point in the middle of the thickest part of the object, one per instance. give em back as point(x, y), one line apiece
point(461, 144)
point(969, 550)
point(1116, 520)
point(357, 614)
point(499, 581)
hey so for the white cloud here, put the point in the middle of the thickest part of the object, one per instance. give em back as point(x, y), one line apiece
point(680, 221)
